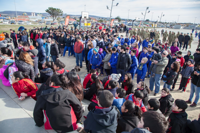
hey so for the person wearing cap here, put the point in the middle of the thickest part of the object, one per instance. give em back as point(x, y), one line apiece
point(186, 41)
point(178, 117)
point(95, 60)
point(123, 63)
point(186, 72)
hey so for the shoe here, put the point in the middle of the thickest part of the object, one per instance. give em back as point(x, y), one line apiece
point(155, 94)
point(193, 105)
point(172, 89)
point(80, 66)
point(184, 89)
point(188, 101)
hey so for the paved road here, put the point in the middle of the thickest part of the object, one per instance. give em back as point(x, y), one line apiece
point(17, 116)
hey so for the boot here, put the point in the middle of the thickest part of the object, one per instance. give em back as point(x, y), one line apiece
point(184, 89)
point(193, 105)
point(188, 101)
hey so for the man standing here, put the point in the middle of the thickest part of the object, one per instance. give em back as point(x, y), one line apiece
point(78, 48)
point(159, 67)
point(186, 40)
point(123, 63)
point(180, 39)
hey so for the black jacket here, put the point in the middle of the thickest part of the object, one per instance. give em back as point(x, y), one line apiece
point(181, 38)
point(169, 77)
point(124, 61)
point(58, 104)
point(61, 40)
point(127, 123)
point(26, 68)
point(45, 74)
point(196, 59)
point(101, 121)
point(146, 96)
point(54, 50)
point(130, 87)
point(193, 126)
point(177, 122)
point(186, 57)
point(187, 38)
point(41, 51)
point(68, 42)
point(166, 105)
point(195, 79)
point(152, 35)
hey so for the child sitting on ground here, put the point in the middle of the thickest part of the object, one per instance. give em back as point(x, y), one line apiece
point(178, 117)
point(46, 72)
point(119, 98)
point(103, 118)
point(106, 80)
point(112, 86)
point(127, 84)
point(154, 105)
point(59, 67)
point(88, 77)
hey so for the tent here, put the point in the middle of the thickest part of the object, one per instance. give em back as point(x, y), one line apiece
point(21, 28)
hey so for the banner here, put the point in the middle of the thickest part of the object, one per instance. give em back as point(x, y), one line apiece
point(67, 20)
point(111, 23)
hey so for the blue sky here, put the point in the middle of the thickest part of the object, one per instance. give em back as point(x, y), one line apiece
point(187, 9)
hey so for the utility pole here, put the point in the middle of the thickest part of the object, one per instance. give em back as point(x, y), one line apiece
point(152, 17)
point(16, 11)
point(111, 10)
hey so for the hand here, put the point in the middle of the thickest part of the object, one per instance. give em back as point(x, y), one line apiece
point(91, 64)
point(141, 80)
point(61, 44)
point(23, 94)
point(155, 61)
point(21, 98)
point(47, 56)
point(96, 65)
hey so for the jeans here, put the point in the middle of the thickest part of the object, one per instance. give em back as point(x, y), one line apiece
point(54, 58)
point(133, 74)
point(156, 79)
point(78, 59)
point(72, 49)
point(167, 86)
point(196, 90)
point(122, 72)
point(83, 54)
point(69, 50)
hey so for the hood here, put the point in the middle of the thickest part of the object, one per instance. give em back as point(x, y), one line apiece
point(46, 70)
point(54, 95)
point(40, 42)
point(170, 98)
point(140, 130)
point(21, 64)
point(105, 117)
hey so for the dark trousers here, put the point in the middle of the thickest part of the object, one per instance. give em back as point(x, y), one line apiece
point(185, 45)
point(175, 80)
point(122, 72)
point(107, 71)
point(183, 83)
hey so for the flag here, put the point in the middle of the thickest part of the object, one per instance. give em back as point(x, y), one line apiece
point(67, 20)
point(111, 23)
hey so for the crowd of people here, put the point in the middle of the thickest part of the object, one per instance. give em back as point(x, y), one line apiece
point(33, 68)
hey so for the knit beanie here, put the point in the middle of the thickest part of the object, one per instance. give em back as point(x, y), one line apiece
point(115, 77)
point(191, 57)
point(34, 52)
point(181, 104)
point(191, 61)
point(96, 49)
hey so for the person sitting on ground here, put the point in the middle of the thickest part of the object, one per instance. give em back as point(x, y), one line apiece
point(23, 86)
point(57, 103)
point(154, 105)
point(130, 117)
point(59, 67)
point(88, 77)
point(141, 86)
point(112, 86)
point(46, 72)
point(127, 84)
point(33, 53)
point(178, 118)
point(193, 126)
point(136, 98)
point(119, 98)
point(151, 122)
point(103, 118)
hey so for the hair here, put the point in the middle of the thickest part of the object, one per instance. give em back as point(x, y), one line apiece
point(20, 75)
point(59, 64)
point(154, 103)
point(145, 48)
point(143, 85)
point(6, 51)
point(93, 71)
point(181, 104)
point(166, 90)
point(57, 80)
point(121, 92)
point(76, 69)
point(198, 49)
point(112, 84)
point(176, 66)
point(129, 81)
point(96, 79)
point(179, 52)
point(139, 94)
point(134, 51)
point(105, 98)
point(26, 44)
point(114, 49)
point(132, 109)
point(155, 121)
point(48, 64)
point(24, 56)
point(136, 45)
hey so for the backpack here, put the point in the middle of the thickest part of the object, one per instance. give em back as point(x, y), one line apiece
point(6, 72)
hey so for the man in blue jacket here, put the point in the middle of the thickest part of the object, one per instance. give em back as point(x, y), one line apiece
point(121, 39)
point(113, 60)
point(95, 60)
point(41, 53)
point(145, 43)
point(134, 64)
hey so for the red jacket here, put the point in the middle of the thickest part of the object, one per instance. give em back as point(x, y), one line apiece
point(36, 37)
point(182, 61)
point(87, 78)
point(27, 86)
point(78, 47)
point(31, 36)
point(41, 35)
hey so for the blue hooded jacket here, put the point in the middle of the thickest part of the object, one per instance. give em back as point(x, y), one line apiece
point(24, 38)
point(41, 51)
point(127, 40)
point(142, 73)
point(89, 54)
point(118, 103)
point(132, 40)
point(145, 44)
point(142, 55)
point(113, 60)
point(134, 64)
point(122, 41)
point(95, 59)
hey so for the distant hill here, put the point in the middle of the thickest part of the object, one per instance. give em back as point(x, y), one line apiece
point(13, 14)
